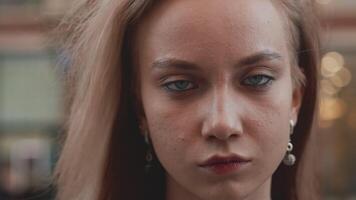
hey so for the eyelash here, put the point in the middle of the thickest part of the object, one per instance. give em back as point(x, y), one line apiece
point(189, 85)
point(170, 86)
point(267, 80)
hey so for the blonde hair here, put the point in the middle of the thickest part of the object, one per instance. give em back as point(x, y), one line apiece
point(103, 153)
point(95, 42)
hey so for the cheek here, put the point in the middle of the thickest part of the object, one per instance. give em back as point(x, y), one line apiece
point(274, 131)
point(269, 125)
point(172, 140)
point(169, 127)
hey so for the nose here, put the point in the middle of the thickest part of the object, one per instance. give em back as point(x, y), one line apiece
point(223, 119)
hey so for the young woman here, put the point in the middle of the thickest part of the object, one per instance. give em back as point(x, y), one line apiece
point(190, 100)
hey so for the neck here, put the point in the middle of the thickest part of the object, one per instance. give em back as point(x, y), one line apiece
point(176, 192)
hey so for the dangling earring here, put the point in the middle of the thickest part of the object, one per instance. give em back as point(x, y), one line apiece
point(149, 156)
point(289, 159)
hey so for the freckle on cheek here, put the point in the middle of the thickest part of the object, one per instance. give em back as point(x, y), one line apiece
point(182, 139)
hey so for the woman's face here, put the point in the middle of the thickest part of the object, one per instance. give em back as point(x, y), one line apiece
point(217, 95)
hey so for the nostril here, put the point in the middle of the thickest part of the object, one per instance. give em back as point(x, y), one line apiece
point(222, 135)
point(211, 137)
point(233, 136)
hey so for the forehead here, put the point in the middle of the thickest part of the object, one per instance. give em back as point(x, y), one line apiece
point(237, 26)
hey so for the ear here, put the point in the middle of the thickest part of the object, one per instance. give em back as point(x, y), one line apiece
point(138, 110)
point(142, 120)
point(297, 98)
point(143, 124)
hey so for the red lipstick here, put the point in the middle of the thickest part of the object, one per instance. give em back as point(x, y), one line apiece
point(224, 164)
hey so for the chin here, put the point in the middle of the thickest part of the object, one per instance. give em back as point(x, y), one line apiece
point(223, 196)
point(223, 192)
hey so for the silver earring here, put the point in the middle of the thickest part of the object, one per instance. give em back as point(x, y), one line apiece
point(149, 156)
point(289, 159)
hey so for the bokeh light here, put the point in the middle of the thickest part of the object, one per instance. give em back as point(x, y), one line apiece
point(334, 74)
point(331, 63)
point(342, 78)
point(328, 88)
point(332, 108)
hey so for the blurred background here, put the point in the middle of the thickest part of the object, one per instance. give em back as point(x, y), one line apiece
point(32, 108)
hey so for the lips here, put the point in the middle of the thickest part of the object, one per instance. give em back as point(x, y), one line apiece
point(224, 164)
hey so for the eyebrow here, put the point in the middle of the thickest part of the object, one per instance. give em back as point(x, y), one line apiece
point(174, 63)
point(265, 55)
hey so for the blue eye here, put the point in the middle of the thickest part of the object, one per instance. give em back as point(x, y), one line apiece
point(179, 86)
point(257, 80)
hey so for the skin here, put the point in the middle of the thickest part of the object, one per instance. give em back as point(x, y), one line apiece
point(204, 92)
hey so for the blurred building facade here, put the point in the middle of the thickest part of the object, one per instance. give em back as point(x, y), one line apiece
point(31, 104)
point(337, 126)
point(31, 111)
